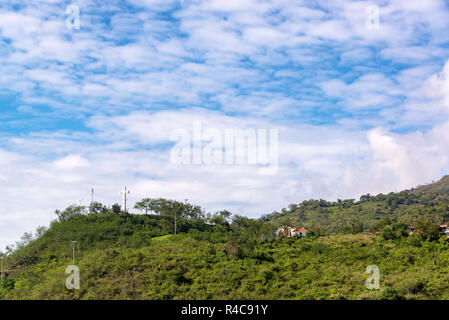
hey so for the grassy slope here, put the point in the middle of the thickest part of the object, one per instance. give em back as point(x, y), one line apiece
point(223, 265)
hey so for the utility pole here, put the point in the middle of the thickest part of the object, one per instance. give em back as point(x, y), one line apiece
point(175, 222)
point(2, 269)
point(73, 252)
point(91, 201)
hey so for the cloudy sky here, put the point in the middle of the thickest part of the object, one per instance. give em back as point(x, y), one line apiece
point(358, 109)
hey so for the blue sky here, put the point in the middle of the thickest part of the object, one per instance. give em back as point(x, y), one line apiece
point(358, 110)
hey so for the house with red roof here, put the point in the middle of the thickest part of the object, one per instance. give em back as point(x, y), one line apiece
point(288, 232)
point(298, 232)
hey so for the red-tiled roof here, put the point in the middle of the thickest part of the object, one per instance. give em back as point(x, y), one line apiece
point(302, 229)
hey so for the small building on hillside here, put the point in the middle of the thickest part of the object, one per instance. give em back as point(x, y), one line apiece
point(288, 232)
point(299, 232)
point(444, 230)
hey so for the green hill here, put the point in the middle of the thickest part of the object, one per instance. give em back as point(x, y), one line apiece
point(221, 263)
point(126, 256)
point(367, 214)
point(439, 187)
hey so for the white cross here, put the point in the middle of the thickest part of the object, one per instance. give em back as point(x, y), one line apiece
point(124, 192)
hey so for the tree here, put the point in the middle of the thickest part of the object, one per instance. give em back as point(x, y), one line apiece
point(401, 230)
point(316, 231)
point(116, 209)
point(383, 223)
point(70, 212)
point(353, 227)
point(9, 250)
point(26, 238)
point(365, 198)
point(427, 230)
point(40, 231)
point(240, 222)
point(388, 233)
point(222, 218)
point(97, 208)
point(391, 229)
point(181, 215)
point(143, 205)
point(170, 208)
point(253, 228)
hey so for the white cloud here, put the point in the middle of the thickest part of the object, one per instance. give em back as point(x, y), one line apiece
point(71, 162)
point(438, 86)
point(229, 64)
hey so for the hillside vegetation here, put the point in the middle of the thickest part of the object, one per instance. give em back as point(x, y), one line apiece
point(350, 216)
point(439, 187)
point(128, 256)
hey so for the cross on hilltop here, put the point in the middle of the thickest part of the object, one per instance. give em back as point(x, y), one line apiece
point(124, 192)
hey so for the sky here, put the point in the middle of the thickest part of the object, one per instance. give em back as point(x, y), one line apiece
point(358, 106)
